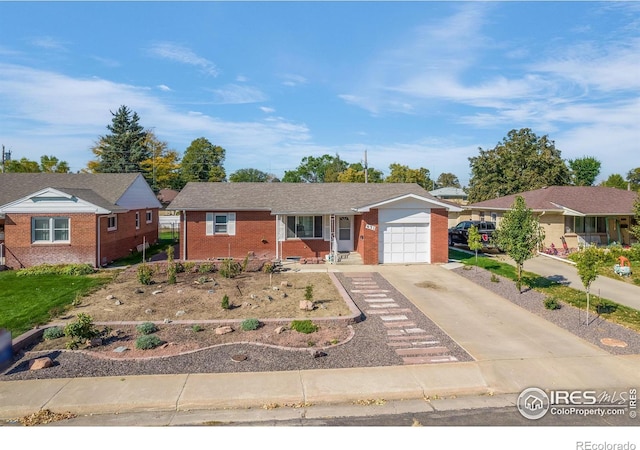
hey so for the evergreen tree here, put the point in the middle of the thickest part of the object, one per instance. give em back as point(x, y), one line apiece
point(124, 149)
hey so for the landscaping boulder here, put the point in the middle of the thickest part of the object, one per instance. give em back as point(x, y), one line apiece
point(306, 305)
point(280, 330)
point(223, 330)
point(41, 363)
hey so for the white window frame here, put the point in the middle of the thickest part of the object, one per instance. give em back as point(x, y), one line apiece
point(318, 228)
point(149, 216)
point(212, 223)
point(51, 230)
point(137, 220)
point(112, 223)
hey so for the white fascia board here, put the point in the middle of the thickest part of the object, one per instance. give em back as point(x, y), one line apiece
point(51, 201)
point(447, 206)
point(568, 211)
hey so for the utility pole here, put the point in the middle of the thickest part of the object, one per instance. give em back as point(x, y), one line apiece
point(366, 168)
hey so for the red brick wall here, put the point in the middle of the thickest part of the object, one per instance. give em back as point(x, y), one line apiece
point(305, 248)
point(367, 240)
point(439, 236)
point(20, 252)
point(124, 240)
point(251, 228)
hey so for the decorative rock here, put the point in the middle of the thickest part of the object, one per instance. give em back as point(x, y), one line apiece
point(115, 333)
point(285, 284)
point(276, 288)
point(270, 298)
point(148, 311)
point(239, 358)
point(95, 342)
point(111, 297)
point(179, 291)
point(120, 349)
point(280, 330)
point(41, 363)
point(253, 297)
point(180, 313)
point(255, 306)
point(159, 291)
point(246, 304)
point(166, 321)
point(138, 291)
point(223, 330)
point(118, 303)
point(610, 342)
point(306, 305)
point(284, 295)
point(319, 354)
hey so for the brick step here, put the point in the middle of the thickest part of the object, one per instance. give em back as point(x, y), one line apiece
point(412, 338)
point(413, 344)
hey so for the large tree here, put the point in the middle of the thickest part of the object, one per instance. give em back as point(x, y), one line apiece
point(635, 228)
point(22, 165)
point(584, 171)
point(519, 235)
point(404, 174)
point(615, 181)
point(521, 162)
point(633, 177)
point(202, 161)
point(161, 169)
point(447, 180)
point(321, 169)
point(123, 149)
point(51, 164)
point(355, 173)
point(252, 175)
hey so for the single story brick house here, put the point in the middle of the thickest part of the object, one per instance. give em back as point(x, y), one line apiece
point(383, 222)
point(577, 214)
point(74, 218)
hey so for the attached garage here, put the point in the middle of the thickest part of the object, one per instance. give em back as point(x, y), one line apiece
point(404, 235)
point(404, 243)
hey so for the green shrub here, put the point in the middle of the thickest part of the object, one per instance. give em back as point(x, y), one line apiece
point(196, 328)
point(495, 278)
point(53, 333)
point(148, 341)
point(145, 274)
point(605, 306)
point(80, 331)
point(188, 266)
point(308, 292)
point(230, 268)
point(304, 326)
point(206, 268)
point(245, 263)
point(268, 268)
point(250, 324)
point(146, 328)
point(57, 269)
point(225, 302)
point(551, 303)
point(172, 269)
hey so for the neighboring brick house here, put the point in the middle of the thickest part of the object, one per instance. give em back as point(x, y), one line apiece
point(74, 218)
point(577, 214)
point(383, 222)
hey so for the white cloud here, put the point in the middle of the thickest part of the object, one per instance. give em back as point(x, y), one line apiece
point(49, 43)
point(236, 94)
point(164, 87)
point(267, 110)
point(183, 55)
point(290, 79)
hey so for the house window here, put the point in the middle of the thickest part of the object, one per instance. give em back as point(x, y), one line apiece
point(494, 217)
point(590, 225)
point(221, 223)
point(112, 223)
point(149, 216)
point(304, 227)
point(50, 229)
point(137, 220)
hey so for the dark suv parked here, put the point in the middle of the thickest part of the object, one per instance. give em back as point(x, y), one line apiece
point(460, 233)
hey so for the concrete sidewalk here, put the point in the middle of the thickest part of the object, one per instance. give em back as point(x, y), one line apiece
point(513, 350)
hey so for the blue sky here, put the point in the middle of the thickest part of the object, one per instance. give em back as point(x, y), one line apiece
point(418, 83)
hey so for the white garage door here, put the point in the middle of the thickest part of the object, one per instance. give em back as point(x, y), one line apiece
point(404, 243)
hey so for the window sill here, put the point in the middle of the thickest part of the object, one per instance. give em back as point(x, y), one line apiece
point(51, 244)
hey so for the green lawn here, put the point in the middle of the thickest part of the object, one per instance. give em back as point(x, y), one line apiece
point(164, 240)
point(609, 310)
point(28, 301)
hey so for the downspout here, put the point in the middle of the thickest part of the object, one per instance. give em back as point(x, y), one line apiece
point(184, 238)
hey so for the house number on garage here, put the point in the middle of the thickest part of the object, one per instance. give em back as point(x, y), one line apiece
point(370, 227)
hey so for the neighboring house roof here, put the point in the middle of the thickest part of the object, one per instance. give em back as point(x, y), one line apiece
point(296, 198)
point(449, 192)
point(105, 190)
point(572, 200)
point(167, 195)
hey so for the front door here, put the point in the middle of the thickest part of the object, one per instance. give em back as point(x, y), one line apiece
point(345, 234)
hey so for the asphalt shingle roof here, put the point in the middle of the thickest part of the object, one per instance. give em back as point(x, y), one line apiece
point(589, 200)
point(291, 198)
point(101, 189)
